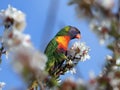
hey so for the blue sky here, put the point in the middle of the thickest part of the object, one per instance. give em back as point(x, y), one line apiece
point(36, 12)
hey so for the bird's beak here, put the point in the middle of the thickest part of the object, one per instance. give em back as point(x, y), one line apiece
point(78, 36)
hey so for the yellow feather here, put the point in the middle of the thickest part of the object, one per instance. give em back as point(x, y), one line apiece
point(63, 41)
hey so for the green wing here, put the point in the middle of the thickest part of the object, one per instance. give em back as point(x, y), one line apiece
point(49, 51)
point(51, 47)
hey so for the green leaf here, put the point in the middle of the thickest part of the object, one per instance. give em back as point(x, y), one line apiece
point(114, 30)
point(110, 47)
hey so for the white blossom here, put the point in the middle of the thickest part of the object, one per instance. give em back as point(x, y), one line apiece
point(14, 38)
point(115, 82)
point(92, 75)
point(80, 81)
point(2, 84)
point(70, 62)
point(38, 60)
point(115, 88)
point(114, 67)
point(29, 57)
point(118, 61)
point(26, 58)
point(109, 57)
point(93, 24)
point(6, 54)
point(13, 18)
point(106, 23)
point(102, 41)
point(107, 4)
point(73, 71)
point(101, 28)
point(81, 51)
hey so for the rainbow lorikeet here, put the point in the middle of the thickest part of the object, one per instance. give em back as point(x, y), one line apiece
point(57, 48)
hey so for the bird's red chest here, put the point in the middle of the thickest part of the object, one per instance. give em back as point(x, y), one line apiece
point(63, 42)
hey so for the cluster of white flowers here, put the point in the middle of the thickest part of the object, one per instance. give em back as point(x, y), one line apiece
point(13, 18)
point(80, 51)
point(2, 84)
point(118, 62)
point(73, 71)
point(29, 57)
point(79, 84)
point(114, 74)
point(107, 4)
point(114, 80)
point(101, 28)
point(95, 83)
point(18, 45)
point(14, 22)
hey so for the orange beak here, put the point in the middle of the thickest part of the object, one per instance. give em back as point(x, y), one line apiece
point(78, 36)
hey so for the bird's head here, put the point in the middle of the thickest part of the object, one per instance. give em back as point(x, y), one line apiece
point(74, 33)
point(71, 31)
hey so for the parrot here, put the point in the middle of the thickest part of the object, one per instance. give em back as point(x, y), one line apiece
point(56, 49)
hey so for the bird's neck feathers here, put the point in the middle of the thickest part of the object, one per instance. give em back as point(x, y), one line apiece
point(63, 42)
